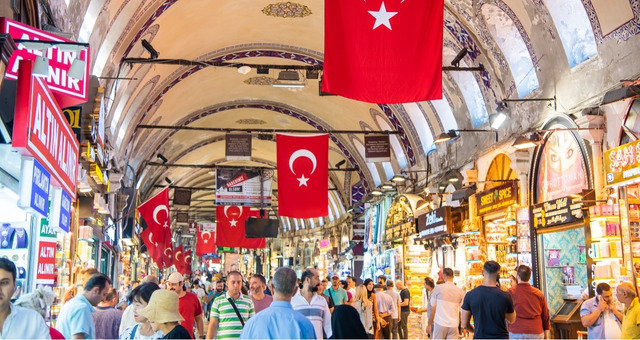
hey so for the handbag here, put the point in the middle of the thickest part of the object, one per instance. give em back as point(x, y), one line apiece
point(611, 326)
point(237, 312)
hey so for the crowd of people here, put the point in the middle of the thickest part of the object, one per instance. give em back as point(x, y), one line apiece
point(307, 307)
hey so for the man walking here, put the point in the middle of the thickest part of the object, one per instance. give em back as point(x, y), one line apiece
point(107, 318)
point(17, 322)
point(225, 322)
point(489, 306)
point(385, 308)
point(405, 310)
point(446, 300)
point(395, 313)
point(321, 291)
point(257, 285)
point(308, 303)
point(75, 320)
point(351, 286)
point(532, 313)
point(336, 292)
point(626, 293)
point(280, 320)
point(594, 310)
point(189, 305)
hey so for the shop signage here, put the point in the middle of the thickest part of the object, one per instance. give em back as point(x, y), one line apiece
point(210, 227)
point(68, 91)
point(74, 117)
point(497, 198)
point(622, 163)
point(238, 147)
point(556, 212)
point(237, 186)
point(46, 262)
point(60, 210)
point(377, 148)
point(435, 222)
point(34, 189)
point(325, 243)
point(40, 130)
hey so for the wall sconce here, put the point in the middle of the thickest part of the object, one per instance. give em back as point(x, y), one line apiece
point(451, 134)
point(499, 117)
point(524, 142)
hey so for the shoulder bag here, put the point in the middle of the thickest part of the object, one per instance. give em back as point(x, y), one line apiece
point(236, 309)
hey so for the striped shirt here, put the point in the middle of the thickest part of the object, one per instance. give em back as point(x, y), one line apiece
point(229, 325)
point(317, 312)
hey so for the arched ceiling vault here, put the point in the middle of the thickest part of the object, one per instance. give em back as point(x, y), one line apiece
point(292, 33)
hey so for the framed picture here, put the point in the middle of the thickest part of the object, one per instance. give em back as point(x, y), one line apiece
point(553, 257)
point(568, 276)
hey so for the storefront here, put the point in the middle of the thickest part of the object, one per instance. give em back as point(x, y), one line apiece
point(560, 172)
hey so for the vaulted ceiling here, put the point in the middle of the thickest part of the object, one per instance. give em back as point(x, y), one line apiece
point(522, 45)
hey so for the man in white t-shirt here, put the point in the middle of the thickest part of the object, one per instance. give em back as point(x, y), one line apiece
point(446, 300)
point(351, 288)
point(395, 315)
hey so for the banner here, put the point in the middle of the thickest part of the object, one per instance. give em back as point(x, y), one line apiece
point(237, 186)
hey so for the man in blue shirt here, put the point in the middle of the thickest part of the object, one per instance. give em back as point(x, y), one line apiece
point(75, 320)
point(280, 321)
point(592, 311)
point(336, 292)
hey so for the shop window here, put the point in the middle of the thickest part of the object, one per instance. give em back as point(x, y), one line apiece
point(574, 28)
point(631, 130)
point(509, 39)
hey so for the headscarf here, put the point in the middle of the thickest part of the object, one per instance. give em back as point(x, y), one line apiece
point(366, 284)
point(38, 300)
point(346, 324)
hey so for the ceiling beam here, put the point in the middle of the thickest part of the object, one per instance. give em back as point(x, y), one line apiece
point(208, 166)
point(215, 129)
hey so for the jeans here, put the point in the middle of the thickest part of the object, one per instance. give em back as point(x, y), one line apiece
point(394, 328)
point(403, 329)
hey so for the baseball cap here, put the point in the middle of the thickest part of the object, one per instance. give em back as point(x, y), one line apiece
point(335, 276)
point(175, 277)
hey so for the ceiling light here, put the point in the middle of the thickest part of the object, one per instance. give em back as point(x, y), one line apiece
point(41, 66)
point(76, 71)
point(166, 179)
point(441, 187)
point(523, 142)
point(453, 179)
point(162, 158)
point(456, 61)
point(398, 178)
point(376, 192)
point(85, 189)
point(445, 136)
point(341, 163)
point(387, 186)
point(497, 119)
point(152, 51)
point(244, 69)
point(422, 204)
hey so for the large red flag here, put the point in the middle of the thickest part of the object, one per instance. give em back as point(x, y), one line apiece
point(383, 51)
point(230, 228)
point(187, 262)
point(303, 174)
point(155, 214)
point(178, 258)
point(152, 246)
point(205, 243)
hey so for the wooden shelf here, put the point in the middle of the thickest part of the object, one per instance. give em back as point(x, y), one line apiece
point(604, 218)
point(606, 258)
point(611, 237)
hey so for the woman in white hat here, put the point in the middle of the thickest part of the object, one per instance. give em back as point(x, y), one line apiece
point(162, 312)
point(140, 297)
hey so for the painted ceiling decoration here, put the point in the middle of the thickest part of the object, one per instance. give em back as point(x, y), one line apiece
point(525, 49)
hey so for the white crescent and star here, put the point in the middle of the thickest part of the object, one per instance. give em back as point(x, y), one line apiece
point(151, 239)
point(206, 240)
point(165, 251)
point(157, 210)
point(178, 253)
point(233, 222)
point(382, 17)
point(306, 154)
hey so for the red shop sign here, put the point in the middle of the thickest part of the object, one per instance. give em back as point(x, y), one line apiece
point(41, 130)
point(68, 91)
point(46, 261)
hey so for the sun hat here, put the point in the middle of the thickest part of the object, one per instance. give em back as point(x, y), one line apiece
point(175, 277)
point(162, 307)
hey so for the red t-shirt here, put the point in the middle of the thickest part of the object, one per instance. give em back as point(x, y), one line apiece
point(55, 334)
point(189, 308)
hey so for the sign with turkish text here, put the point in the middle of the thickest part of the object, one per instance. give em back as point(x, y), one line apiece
point(74, 117)
point(34, 188)
point(40, 130)
point(210, 227)
point(377, 148)
point(46, 262)
point(435, 222)
point(60, 210)
point(622, 163)
point(238, 147)
point(67, 91)
point(556, 212)
point(237, 186)
point(497, 198)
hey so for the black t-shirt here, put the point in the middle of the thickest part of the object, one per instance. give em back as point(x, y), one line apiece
point(405, 295)
point(488, 306)
point(178, 332)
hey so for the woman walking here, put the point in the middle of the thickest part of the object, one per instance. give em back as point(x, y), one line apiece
point(162, 313)
point(140, 297)
point(364, 307)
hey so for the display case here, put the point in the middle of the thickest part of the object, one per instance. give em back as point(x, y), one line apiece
point(605, 245)
point(417, 266)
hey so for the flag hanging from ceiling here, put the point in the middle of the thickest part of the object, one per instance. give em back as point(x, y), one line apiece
point(205, 242)
point(230, 230)
point(178, 258)
point(154, 213)
point(383, 51)
point(303, 175)
point(152, 246)
point(187, 262)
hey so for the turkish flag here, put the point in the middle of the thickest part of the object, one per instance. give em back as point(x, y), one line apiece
point(178, 258)
point(155, 214)
point(383, 51)
point(230, 227)
point(187, 262)
point(152, 246)
point(205, 242)
point(303, 174)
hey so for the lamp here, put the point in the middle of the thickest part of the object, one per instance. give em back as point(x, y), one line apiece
point(376, 192)
point(499, 117)
point(387, 186)
point(76, 71)
point(41, 66)
point(244, 69)
point(162, 158)
point(341, 163)
point(152, 51)
point(166, 179)
point(456, 61)
point(523, 142)
point(398, 178)
point(443, 137)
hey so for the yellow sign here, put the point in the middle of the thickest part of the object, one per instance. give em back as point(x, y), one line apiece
point(622, 163)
